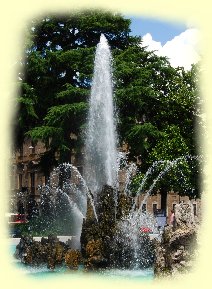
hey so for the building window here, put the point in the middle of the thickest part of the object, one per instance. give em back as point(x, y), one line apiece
point(46, 179)
point(195, 209)
point(32, 180)
point(32, 147)
point(144, 208)
point(20, 178)
point(154, 208)
point(173, 206)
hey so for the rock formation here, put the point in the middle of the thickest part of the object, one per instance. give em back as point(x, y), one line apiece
point(97, 237)
point(105, 244)
point(110, 242)
point(176, 251)
point(73, 259)
point(49, 251)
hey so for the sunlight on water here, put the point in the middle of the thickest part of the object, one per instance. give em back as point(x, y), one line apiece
point(101, 139)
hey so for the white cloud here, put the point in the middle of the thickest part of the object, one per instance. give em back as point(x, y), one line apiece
point(182, 50)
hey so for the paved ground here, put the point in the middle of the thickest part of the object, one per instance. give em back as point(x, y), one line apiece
point(15, 241)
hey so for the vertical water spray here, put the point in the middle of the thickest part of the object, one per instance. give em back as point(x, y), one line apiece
point(101, 139)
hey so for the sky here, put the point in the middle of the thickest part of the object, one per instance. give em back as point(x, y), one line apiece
point(177, 41)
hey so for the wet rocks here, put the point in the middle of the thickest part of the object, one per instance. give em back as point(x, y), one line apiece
point(105, 244)
point(72, 259)
point(94, 255)
point(49, 251)
point(176, 251)
point(96, 236)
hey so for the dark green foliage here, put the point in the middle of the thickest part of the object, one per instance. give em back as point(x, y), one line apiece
point(27, 116)
point(57, 75)
point(140, 136)
point(158, 105)
point(159, 108)
point(153, 96)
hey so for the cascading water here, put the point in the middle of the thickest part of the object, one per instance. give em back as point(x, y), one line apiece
point(136, 249)
point(124, 239)
point(102, 162)
point(168, 166)
point(66, 198)
point(101, 138)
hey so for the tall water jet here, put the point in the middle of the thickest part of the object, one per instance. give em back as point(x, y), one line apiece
point(101, 138)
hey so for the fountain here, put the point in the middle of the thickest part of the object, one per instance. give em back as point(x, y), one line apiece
point(108, 228)
point(101, 139)
point(101, 176)
point(67, 199)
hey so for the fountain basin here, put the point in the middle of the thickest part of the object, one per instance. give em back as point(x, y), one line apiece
point(42, 272)
point(15, 241)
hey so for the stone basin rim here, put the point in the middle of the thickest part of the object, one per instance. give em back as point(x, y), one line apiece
point(15, 241)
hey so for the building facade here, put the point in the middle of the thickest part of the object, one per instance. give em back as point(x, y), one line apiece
point(153, 203)
point(27, 177)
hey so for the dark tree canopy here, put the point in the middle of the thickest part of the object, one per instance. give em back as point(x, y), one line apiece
point(57, 73)
point(157, 104)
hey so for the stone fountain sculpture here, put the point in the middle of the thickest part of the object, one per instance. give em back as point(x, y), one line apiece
point(106, 220)
point(102, 240)
point(177, 249)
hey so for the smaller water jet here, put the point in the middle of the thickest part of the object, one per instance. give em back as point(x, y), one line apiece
point(168, 165)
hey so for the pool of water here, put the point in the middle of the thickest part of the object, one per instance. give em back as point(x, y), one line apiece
point(42, 271)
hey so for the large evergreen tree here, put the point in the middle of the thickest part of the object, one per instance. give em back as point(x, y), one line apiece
point(159, 109)
point(157, 104)
point(57, 75)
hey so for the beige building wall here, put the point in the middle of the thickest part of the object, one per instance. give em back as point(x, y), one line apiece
point(154, 202)
point(27, 177)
